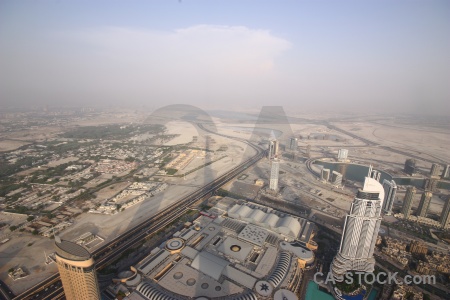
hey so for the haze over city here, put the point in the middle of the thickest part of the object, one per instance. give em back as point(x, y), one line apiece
point(224, 150)
point(331, 55)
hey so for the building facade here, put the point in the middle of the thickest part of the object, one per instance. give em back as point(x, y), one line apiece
point(77, 271)
point(325, 174)
point(418, 247)
point(342, 154)
point(446, 173)
point(293, 143)
point(274, 171)
point(390, 191)
point(407, 201)
point(445, 216)
point(430, 184)
point(360, 231)
point(273, 149)
point(424, 204)
point(435, 170)
point(410, 166)
point(375, 175)
point(336, 178)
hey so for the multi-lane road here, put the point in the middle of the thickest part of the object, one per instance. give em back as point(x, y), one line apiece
point(51, 287)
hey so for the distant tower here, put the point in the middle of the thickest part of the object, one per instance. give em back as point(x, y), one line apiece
point(293, 143)
point(407, 202)
point(375, 175)
point(273, 149)
point(360, 231)
point(336, 178)
point(445, 216)
point(325, 174)
point(424, 204)
point(342, 154)
point(446, 172)
point(77, 271)
point(435, 170)
point(308, 151)
point(410, 166)
point(273, 184)
point(390, 190)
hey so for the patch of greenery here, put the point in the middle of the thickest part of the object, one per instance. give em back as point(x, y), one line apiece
point(113, 132)
point(171, 171)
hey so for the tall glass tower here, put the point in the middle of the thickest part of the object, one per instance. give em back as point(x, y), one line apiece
point(360, 231)
point(273, 184)
point(390, 190)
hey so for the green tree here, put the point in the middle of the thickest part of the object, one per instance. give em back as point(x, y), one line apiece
point(12, 228)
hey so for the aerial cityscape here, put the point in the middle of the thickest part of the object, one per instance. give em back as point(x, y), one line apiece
point(186, 150)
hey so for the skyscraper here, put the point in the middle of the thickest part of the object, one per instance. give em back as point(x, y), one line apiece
point(390, 190)
point(336, 178)
point(424, 204)
point(446, 172)
point(430, 184)
point(325, 174)
point(407, 201)
point(342, 154)
point(308, 151)
point(273, 149)
point(410, 166)
point(375, 175)
point(77, 271)
point(293, 143)
point(273, 184)
point(445, 216)
point(435, 170)
point(360, 231)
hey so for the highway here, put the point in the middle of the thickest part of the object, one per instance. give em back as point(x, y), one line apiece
point(5, 292)
point(51, 287)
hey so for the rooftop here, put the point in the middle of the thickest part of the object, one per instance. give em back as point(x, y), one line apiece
point(71, 251)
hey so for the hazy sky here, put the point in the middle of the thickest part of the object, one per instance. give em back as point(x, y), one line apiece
point(237, 54)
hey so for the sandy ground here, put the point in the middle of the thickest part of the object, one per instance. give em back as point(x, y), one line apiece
point(17, 253)
point(177, 127)
point(62, 161)
point(111, 190)
point(433, 143)
point(9, 145)
point(12, 219)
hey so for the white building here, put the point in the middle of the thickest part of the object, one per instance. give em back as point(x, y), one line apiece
point(273, 149)
point(273, 184)
point(293, 143)
point(446, 172)
point(325, 174)
point(390, 190)
point(342, 154)
point(375, 175)
point(336, 178)
point(360, 231)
